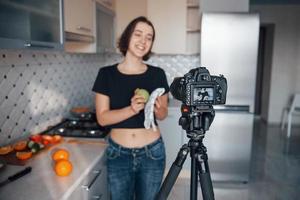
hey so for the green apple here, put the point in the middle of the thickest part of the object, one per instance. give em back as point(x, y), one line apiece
point(142, 92)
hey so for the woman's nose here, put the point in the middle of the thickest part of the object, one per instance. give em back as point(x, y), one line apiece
point(143, 40)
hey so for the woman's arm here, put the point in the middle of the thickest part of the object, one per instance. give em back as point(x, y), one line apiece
point(161, 107)
point(105, 116)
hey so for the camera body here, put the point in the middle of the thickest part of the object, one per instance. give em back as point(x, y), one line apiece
point(199, 88)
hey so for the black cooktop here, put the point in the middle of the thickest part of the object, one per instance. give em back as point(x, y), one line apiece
point(77, 128)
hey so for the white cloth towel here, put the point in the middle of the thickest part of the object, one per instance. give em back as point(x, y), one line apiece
point(149, 108)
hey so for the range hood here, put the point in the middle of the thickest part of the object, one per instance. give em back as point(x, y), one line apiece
point(75, 37)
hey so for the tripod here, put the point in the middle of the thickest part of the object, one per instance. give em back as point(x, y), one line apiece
point(195, 126)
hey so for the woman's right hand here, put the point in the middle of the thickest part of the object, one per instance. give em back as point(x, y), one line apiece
point(137, 103)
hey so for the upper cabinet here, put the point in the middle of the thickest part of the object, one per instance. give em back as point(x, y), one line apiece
point(31, 24)
point(105, 30)
point(193, 27)
point(79, 16)
point(89, 25)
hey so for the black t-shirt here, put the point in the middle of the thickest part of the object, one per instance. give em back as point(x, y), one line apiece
point(120, 89)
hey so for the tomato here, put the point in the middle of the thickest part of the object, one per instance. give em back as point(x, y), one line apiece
point(36, 138)
point(49, 138)
point(45, 142)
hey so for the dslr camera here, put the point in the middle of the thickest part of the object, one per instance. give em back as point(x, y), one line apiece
point(198, 88)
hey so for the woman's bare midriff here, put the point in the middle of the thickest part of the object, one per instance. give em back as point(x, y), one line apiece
point(134, 138)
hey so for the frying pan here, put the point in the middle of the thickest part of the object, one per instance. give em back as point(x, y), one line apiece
point(83, 113)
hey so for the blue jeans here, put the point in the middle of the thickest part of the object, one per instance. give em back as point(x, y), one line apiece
point(135, 173)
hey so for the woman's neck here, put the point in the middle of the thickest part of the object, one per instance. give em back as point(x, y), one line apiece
point(132, 64)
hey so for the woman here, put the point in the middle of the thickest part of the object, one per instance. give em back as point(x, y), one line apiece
point(135, 155)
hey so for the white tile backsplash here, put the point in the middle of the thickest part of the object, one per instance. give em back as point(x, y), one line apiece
point(38, 88)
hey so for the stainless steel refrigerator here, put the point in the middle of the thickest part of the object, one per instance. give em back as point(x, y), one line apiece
point(229, 46)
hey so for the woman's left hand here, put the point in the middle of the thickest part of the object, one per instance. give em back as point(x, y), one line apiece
point(157, 105)
point(160, 107)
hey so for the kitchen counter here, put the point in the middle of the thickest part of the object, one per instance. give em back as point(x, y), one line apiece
point(42, 183)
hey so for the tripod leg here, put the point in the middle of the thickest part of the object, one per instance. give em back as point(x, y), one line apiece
point(194, 176)
point(204, 175)
point(173, 173)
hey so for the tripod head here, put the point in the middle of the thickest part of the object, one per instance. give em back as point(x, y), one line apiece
point(196, 120)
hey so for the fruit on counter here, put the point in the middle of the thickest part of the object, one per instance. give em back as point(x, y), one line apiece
point(47, 139)
point(6, 149)
point(45, 142)
point(142, 92)
point(60, 154)
point(36, 138)
point(21, 145)
point(24, 155)
point(57, 138)
point(63, 167)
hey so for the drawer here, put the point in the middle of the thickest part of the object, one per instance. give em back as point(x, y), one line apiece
point(94, 186)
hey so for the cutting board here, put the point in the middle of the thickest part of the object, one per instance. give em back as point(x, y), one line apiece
point(11, 158)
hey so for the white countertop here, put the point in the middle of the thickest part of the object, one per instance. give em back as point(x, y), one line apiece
point(42, 183)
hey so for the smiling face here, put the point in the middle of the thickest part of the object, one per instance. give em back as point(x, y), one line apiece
point(141, 40)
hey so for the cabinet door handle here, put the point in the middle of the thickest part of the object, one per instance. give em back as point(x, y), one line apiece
point(82, 28)
point(89, 185)
point(30, 45)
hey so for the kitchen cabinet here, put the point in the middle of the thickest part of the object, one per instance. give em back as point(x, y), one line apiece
point(172, 134)
point(94, 185)
point(89, 173)
point(105, 31)
point(89, 26)
point(110, 4)
point(79, 16)
point(31, 24)
point(193, 27)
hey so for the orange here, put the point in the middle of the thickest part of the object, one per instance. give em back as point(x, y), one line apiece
point(60, 154)
point(6, 149)
point(24, 155)
point(57, 138)
point(21, 145)
point(63, 167)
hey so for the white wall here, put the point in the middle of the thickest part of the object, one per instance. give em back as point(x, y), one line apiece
point(285, 77)
point(169, 19)
point(127, 10)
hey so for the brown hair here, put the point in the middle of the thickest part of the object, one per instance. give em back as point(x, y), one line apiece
point(127, 33)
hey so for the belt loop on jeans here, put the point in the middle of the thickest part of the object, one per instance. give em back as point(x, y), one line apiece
point(119, 150)
point(146, 150)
